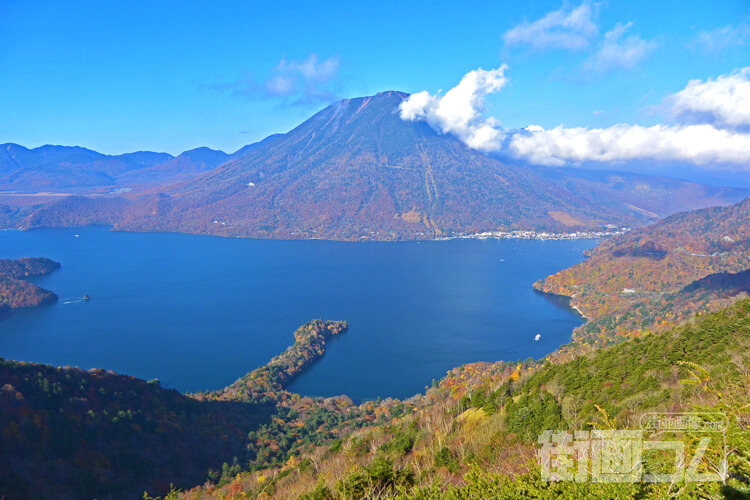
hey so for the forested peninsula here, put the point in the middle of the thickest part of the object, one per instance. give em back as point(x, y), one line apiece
point(15, 291)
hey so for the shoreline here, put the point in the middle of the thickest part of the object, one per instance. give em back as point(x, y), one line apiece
point(543, 235)
point(579, 312)
point(537, 286)
point(496, 235)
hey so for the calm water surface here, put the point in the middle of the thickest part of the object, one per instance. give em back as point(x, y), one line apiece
point(197, 312)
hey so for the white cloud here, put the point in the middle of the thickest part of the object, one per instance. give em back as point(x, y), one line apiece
point(280, 85)
point(569, 28)
point(726, 36)
point(699, 144)
point(618, 51)
point(311, 69)
point(713, 136)
point(723, 102)
point(459, 111)
point(308, 82)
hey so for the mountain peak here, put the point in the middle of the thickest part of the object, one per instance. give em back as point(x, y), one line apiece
point(392, 93)
point(387, 97)
point(206, 155)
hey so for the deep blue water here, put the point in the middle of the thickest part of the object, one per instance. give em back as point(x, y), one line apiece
point(197, 312)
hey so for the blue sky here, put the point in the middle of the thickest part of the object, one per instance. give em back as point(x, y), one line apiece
point(171, 76)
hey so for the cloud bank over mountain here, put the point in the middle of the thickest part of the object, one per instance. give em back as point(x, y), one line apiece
point(699, 144)
point(711, 126)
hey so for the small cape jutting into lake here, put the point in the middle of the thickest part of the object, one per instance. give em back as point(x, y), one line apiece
point(309, 345)
point(15, 291)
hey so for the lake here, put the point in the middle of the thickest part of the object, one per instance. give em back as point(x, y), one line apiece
point(197, 312)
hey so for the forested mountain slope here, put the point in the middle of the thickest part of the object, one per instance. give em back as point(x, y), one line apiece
point(657, 276)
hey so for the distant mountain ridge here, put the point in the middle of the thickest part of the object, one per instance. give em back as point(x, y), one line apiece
point(356, 171)
point(78, 169)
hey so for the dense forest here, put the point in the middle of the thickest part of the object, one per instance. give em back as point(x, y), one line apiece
point(14, 291)
point(66, 433)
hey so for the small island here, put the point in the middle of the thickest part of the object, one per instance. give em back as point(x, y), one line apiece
point(15, 291)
